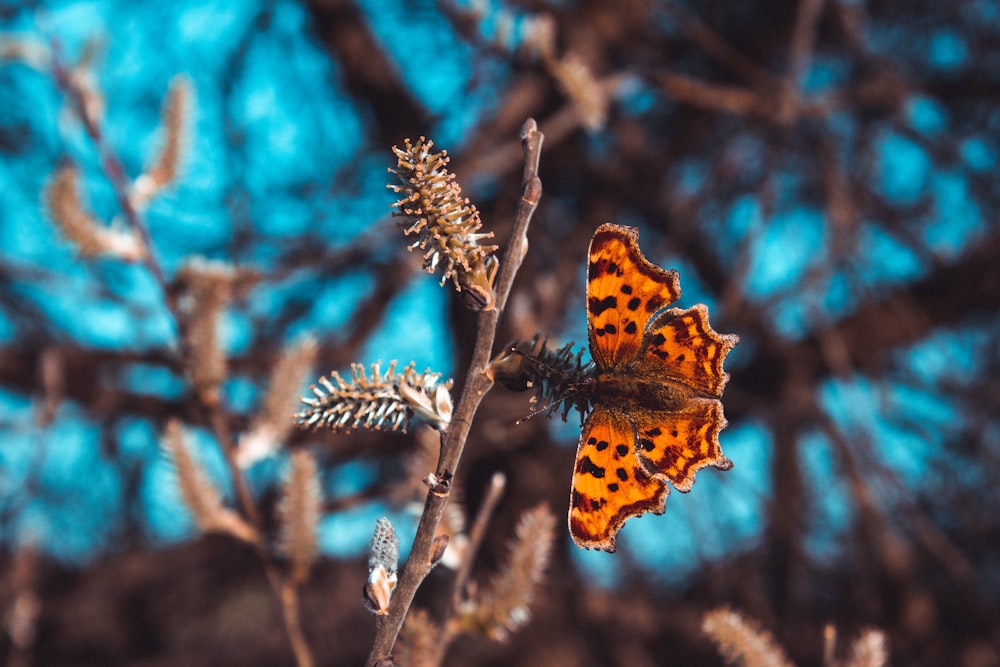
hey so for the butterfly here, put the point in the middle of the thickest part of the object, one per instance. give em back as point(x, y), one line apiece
point(654, 391)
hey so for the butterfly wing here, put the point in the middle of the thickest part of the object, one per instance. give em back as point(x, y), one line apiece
point(684, 347)
point(610, 484)
point(624, 290)
point(628, 450)
point(673, 445)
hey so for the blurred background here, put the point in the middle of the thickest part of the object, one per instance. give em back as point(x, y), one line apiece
point(819, 171)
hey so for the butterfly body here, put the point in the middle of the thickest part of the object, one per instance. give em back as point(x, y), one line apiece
point(628, 389)
point(653, 391)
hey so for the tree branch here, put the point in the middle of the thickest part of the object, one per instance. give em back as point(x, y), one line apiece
point(419, 564)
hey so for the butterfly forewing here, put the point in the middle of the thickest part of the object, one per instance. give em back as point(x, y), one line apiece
point(623, 291)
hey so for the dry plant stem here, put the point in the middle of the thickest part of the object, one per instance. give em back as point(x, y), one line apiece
point(493, 494)
point(116, 175)
point(714, 45)
point(285, 594)
point(220, 428)
point(289, 594)
point(799, 56)
point(418, 563)
point(449, 628)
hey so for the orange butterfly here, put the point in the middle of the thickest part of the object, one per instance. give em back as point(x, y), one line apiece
point(654, 391)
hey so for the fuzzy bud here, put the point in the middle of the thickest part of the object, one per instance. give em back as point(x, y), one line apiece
point(383, 560)
point(386, 402)
point(446, 225)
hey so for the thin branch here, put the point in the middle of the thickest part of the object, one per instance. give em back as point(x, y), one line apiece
point(493, 494)
point(450, 629)
point(799, 56)
point(803, 40)
point(717, 47)
point(727, 99)
point(419, 564)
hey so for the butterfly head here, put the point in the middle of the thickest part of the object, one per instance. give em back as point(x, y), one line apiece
point(557, 377)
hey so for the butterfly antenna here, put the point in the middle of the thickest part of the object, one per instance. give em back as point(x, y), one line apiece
point(548, 407)
point(538, 361)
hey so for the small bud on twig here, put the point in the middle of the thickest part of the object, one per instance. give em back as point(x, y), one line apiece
point(583, 88)
point(383, 560)
point(505, 604)
point(741, 641)
point(271, 426)
point(166, 166)
point(208, 289)
point(438, 549)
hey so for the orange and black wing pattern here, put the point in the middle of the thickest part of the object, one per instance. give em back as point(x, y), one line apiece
point(688, 350)
point(674, 445)
point(610, 484)
point(654, 395)
point(624, 290)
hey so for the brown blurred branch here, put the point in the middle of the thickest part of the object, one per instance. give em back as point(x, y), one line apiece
point(369, 74)
point(216, 415)
point(715, 45)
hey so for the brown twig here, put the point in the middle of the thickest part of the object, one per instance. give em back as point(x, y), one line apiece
point(419, 564)
point(493, 494)
point(727, 99)
point(714, 45)
point(799, 56)
point(448, 625)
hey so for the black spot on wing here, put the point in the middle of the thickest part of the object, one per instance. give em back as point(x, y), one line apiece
point(593, 270)
point(587, 466)
point(598, 306)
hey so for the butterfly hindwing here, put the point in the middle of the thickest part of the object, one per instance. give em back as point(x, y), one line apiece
point(609, 483)
point(673, 445)
point(684, 344)
point(624, 290)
